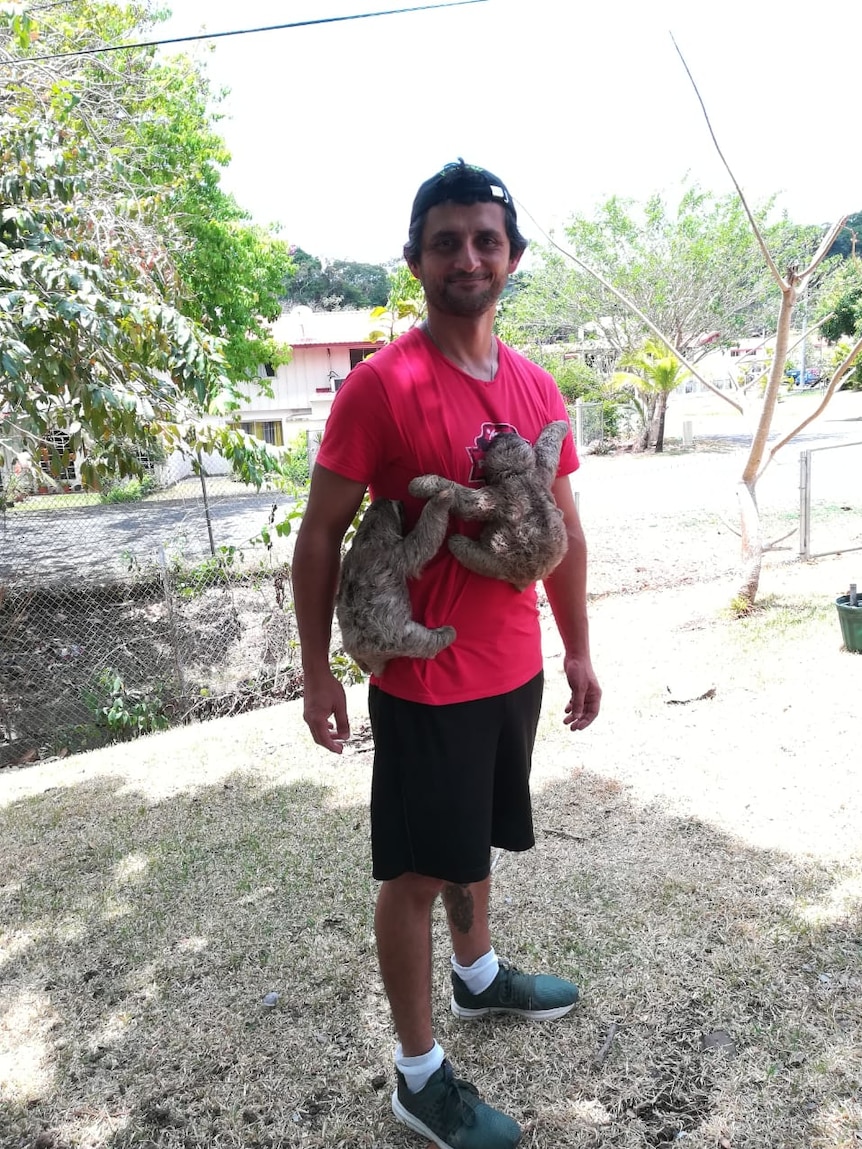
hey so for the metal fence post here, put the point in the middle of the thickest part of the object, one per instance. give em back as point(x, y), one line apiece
point(172, 622)
point(207, 513)
point(805, 504)
point(579, 424)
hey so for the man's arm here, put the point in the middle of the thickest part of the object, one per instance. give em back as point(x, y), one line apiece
point(566, 588)
point(332, 504)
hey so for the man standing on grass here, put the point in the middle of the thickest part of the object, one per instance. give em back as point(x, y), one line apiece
point(453, 735)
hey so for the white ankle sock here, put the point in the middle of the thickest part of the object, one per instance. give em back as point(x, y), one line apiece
point(480, 974)
point(417, 1070)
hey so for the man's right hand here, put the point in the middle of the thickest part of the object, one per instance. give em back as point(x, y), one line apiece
point(325, 701)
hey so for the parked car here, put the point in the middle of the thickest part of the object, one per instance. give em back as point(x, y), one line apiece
point(813, 376)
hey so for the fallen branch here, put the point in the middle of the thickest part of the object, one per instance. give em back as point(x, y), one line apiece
point(564, 834)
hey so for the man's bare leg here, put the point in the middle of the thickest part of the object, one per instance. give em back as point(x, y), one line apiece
point(402, 923)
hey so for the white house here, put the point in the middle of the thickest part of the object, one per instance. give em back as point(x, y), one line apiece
point(325, 345)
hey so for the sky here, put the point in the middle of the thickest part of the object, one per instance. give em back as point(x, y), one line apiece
point(332, 128)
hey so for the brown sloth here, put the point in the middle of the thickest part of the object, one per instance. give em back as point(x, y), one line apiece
point(524, 537)
point(372, 604)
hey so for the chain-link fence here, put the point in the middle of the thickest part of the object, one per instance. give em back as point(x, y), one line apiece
point(588, 421)
point(150, 603)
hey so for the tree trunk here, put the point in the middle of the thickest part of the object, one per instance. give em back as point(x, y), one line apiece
point(749, 514)
point(752, 544)
point(643, 440)
point(661, 412)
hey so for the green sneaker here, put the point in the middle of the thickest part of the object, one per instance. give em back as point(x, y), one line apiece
point(540, 997)
point(450, 1113)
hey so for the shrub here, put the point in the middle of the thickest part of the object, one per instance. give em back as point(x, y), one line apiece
point(125, 713)
point(128, 490)
point(296, 462)
point(576, 380)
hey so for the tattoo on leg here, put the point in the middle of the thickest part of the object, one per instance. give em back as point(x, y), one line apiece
point(459, 906)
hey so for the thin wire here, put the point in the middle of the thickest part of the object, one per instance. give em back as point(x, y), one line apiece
point(241, 32)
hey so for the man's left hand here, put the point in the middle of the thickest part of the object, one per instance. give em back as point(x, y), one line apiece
point(586, 698)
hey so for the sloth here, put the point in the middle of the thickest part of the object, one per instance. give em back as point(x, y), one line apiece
point(372, 603)
point(524, 537)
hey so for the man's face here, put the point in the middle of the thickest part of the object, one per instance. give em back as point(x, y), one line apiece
point(465, 259)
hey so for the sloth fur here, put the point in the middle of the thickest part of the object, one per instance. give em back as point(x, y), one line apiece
point(372, 604)
point(524, 537)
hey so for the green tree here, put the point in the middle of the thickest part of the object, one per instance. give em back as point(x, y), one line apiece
point(578, 382)
point(96, 338)
point(358, 284)
point(845, 319)
point(656, 372)
point(305, 283)
point(404, 306)
point(544, 305)
point(848, 244)
point(693, 267)
point(230, 274)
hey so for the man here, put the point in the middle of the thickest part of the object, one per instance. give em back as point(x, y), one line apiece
point(453, 735)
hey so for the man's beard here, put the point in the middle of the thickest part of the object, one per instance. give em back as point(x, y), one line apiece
point(466, 304)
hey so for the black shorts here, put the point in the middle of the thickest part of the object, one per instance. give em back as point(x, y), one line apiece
point(450, 782)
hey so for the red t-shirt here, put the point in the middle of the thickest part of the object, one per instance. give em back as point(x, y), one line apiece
point(408, 411)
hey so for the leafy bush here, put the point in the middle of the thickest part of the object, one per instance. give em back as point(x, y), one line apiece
point(125, 713)
point(296, 463)
point(128, 490)
point(576, 380)
point(192, 579)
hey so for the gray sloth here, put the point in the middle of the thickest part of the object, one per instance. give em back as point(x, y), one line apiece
point(524, 537)
point(373, 603)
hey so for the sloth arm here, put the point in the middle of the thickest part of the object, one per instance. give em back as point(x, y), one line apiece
point(466, 503)
point(547, 450)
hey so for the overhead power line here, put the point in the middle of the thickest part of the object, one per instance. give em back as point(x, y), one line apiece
point(244, 31)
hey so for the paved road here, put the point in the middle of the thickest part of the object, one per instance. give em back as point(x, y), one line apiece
point(97, 543)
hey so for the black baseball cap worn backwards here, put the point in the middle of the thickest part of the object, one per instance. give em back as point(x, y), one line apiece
point(461, 183)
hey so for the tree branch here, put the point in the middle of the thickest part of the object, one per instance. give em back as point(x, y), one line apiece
point(773, 545)
point(761, 242)
point(825, 244)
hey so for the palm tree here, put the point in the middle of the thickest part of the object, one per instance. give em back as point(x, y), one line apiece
point(657, 371)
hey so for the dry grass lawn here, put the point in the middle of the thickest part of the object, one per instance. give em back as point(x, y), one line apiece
point(698, 871)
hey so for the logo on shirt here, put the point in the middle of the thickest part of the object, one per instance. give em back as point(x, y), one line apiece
point(480, 446)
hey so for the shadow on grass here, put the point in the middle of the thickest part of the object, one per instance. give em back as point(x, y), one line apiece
point(142, 938)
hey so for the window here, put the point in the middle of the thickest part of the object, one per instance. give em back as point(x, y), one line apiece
point(269, 431)
point(269, 370)
point(357, 354)
point(148, 465)
point(56, 459)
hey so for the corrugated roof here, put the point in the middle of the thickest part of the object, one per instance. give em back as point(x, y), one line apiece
point(303, 327)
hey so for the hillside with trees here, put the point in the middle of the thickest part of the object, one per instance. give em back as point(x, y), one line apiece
point(337, 286)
